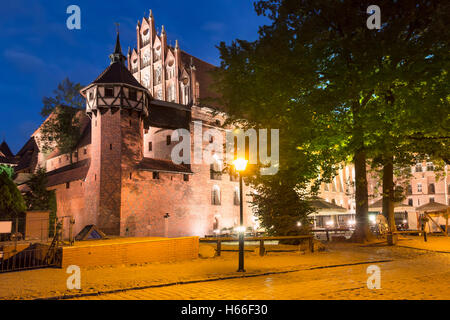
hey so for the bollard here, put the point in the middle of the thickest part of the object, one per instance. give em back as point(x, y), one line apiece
point(219, 247)
point(424, 236)
point(262, 249)
point(328, 236)
point(311, 244)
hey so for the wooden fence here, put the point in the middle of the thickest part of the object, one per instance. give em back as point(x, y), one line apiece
point(262, 249)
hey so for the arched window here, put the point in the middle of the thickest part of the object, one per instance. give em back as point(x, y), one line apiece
point(171, 93)
point(237, 197)
point(215, 195)
point(431, 189)
point(215, 170)
point(158, 75)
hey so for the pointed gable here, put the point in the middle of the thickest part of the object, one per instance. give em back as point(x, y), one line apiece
point(5, 150)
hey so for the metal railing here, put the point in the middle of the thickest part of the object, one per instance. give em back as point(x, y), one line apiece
point(32, 257)
point(262, 249)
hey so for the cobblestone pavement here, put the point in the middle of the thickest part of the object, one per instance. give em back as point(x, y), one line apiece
point(425, 277)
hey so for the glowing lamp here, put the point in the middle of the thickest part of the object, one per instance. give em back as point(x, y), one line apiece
point(240, 164)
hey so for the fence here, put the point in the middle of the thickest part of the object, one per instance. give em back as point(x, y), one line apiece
point(31, 257)
point(261, 240)
point(332, 230)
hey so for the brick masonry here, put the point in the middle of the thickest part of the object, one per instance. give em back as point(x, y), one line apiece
point(131, 252)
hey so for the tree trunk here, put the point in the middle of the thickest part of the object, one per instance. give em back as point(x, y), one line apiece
point(388, 197)
point(362, 232)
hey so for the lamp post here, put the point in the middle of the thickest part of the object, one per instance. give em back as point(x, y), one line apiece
point(240, 165)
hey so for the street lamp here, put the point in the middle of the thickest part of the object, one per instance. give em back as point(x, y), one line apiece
point(240, 165)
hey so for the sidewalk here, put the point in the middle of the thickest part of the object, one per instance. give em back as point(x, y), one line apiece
point(48, 283)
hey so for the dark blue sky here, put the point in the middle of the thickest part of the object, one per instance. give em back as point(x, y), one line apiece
point(37, 50)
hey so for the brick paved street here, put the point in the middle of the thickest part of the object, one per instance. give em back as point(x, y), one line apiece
point(409, 274)
point(428, 277)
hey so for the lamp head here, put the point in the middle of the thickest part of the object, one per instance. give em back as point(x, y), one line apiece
point(240, 164)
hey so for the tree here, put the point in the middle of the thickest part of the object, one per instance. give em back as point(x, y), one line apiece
point(280, 206)
point(62, 126)
point(11, 200)
point(39, 198)
point(319, 72)
point(9, 170)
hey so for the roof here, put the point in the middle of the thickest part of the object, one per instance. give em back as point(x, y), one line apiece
point(203, 76)
point(433, 207)
point(72, 172)
point(117, 73)
point(322, 205)
point(6, 156)
point(163, 165)
point(28, 155)
point(5, 150)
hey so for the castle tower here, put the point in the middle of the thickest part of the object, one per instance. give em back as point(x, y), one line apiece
point(117, 105)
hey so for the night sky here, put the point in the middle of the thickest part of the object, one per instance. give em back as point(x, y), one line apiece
point(37, 50)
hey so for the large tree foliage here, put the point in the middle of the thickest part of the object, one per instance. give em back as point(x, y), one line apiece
point(38, 198)
point(281, 206)
point(11, 200)
point(62, 127)
point(327, 81)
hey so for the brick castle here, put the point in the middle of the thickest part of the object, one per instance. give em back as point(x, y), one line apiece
point(122, 178)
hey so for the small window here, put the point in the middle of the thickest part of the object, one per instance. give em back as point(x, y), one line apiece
point(91, 95)
point(155, 175)
point(169, 140)
point(431, 199)
point(150, 146)
point(132, 94)
point(211, 139)
point(431, 189)
point(215, 196)
point(430, 166)
point(185, 177)
point(410, 202)
point(419, 167)
point(109, 92)
point(409, 189)
point(67, 185)
point(110, 147)
point(419, 187)
point(85, 151)
point(131, 175)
